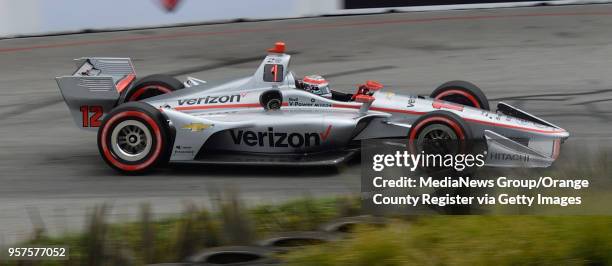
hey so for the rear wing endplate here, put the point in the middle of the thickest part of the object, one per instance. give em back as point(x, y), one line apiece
point(95, 87)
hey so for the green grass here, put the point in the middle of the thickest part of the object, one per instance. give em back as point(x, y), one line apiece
point(173, 239)
point(472, 240)
point(427, 240)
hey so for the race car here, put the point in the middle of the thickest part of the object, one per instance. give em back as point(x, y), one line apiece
point(273, 118)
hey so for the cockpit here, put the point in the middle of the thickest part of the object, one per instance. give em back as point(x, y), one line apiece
point(274, 69)
point(317, 85)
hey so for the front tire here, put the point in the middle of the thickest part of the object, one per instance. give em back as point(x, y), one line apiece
point(461, 92)
point(445, 133)
point(133, 138)
point(439, 132)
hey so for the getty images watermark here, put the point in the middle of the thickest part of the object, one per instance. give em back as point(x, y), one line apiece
point(397, 180)
point(412, 161)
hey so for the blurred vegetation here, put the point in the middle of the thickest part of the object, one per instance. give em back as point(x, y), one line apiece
point(425, 240)
point(173, 239)
point(494, 239)
point(471, 240)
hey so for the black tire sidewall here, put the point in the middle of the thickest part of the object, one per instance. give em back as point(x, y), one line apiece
point(421, 123)
point(465, 86)
point(166, 81)
point(469, 145)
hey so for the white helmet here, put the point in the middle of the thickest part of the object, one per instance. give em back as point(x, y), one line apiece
point(317, 84)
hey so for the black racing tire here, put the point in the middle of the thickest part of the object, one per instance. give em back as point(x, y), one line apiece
point(443, 122)
point(464, 141)
point(134, 138)
point(151, 86)
point(461, 92)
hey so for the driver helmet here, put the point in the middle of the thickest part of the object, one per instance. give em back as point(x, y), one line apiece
point(316, 84)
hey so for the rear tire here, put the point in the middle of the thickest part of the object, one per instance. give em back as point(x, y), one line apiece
point(461, 92)
point(133, 138)
point(151, 86)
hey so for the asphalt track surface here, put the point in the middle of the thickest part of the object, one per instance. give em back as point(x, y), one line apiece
point(555, 62)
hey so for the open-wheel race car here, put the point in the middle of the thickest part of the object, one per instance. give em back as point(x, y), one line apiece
point(272, 118)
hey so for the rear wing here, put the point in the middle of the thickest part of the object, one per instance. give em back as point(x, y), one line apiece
point(117, 68)
point(95, 87)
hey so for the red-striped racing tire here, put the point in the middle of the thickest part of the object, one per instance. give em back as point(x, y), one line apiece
point(461, 92)
point(439, 132)
point(133, 138)
point(151, 86)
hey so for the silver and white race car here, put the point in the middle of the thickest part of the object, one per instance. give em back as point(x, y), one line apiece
point(272, 118)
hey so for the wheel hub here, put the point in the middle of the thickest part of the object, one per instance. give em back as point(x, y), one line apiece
point(131, 140)
point(438, 139)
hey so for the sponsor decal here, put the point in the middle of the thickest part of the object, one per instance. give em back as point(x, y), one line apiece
point(509, 157)
point(411, 101)
point(295, 101)
point(272, 138)
point(178, 149)
point(326, 134)
point(234, 98)
point(522, 121)
point(197, 127)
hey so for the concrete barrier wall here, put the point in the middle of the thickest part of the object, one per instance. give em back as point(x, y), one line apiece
point(39, 17)
point(25, 17)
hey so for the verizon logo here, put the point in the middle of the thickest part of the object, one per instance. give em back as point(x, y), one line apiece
point(271, 138)
point(211, 100)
